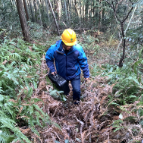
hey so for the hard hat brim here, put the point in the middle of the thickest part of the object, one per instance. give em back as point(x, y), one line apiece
point(70, 44)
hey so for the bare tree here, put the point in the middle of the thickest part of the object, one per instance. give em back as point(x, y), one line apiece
point(23, 21)
point(114, 7)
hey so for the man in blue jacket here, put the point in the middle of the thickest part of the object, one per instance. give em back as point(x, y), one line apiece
point(69, 57)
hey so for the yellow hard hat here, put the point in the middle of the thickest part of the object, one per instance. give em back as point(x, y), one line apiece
point(69, 37)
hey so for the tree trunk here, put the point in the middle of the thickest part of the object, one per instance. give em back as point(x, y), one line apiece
point(86, 12)
point(42, 14)
point(23, 22)
point(103, 15)
point(39, 16)
point(63, 11)
point(66, 12)
point(32, 11)
point(37, 12)
point(83, 11)
point(123, 44)
point(100, 15)
point(142, 16)
point(47, 9)
point(69, 11)
point(76, 11)
point(59, 10)
point(26, 10)
point(55, 7)
point(35, 7)
point(75, 4)
point(56, 23)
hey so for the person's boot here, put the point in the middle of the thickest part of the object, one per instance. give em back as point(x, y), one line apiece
point(76, 102)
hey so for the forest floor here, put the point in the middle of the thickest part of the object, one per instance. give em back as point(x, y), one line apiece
point(89, 122)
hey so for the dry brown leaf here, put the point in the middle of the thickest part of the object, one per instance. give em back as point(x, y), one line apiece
point(25, 131)
point(103, 100)
point(4, 62)
point(12, 100)
point(30, 48)
point(83, 136)
point(42, 85)
point(21, 108)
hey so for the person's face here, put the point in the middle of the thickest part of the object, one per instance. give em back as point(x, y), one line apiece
point(66, 47)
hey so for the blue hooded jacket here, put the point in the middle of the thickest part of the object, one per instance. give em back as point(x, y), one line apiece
point(68, 66)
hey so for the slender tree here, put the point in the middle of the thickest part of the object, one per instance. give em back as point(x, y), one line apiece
point(142, 16)
point(86, 9)
point(66, 12)
point(114, 7)
point(31, 7)
point(47, 9)
point(69, 11)
point(26, 10)
point(100, 14)
point(56, 23)
point(23, 22)
point(39, 11)
point(36, 10)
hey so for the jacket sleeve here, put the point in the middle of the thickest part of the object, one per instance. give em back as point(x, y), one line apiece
point(83, 63)
point(50, 58)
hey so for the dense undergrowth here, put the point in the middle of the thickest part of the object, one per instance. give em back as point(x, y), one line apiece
point(127, 91)
point(126, 82)
point(19, 76)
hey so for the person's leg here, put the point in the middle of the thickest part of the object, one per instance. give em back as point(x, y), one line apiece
point(66, 88)
point(76, 88)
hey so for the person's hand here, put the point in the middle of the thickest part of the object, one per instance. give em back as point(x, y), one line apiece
point(53, 73)
point(86, 79)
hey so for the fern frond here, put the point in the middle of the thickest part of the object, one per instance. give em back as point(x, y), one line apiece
point(10, 124)
point(5, 137)
point(15, 56)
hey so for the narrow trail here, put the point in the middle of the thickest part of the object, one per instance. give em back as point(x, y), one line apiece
point(88, 122)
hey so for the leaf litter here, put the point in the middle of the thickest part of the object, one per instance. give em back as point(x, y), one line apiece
point(89, 122)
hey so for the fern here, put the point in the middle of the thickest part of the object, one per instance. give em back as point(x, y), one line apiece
point(5, 136)
point(14, 77)
point(15, 56)
point(10, 124)
point(117, 125)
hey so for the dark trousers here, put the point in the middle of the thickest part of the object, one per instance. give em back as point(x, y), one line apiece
point(76, 87)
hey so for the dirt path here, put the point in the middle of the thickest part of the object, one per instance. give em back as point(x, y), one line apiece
point(88, 122)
